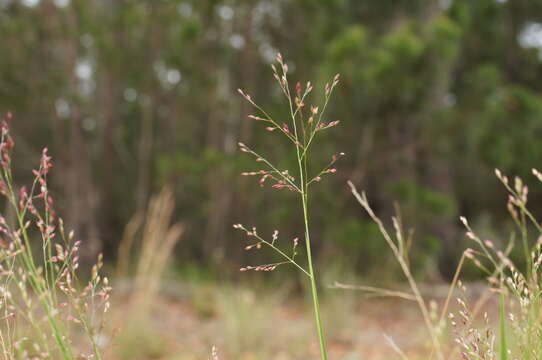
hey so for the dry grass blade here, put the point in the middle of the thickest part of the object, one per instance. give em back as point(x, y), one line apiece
point(126, 245)
point(214, 353)
point(375, 291)
point(395, 348)
point(362, 199)
point(158, 239)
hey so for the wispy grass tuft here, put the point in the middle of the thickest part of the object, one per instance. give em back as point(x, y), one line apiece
point(156, 235)
point(45, 312)
point(518, 325)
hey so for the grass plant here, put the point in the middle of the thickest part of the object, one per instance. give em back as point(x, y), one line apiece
point(158, 237)
point(46, 314)
point(517, 331)
point(302, 129)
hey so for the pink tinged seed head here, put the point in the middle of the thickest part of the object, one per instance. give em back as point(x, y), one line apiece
point(336, 79)
point(285, 128)
point(270, 128)
point(243, 147)
point(245, 95)
point(512, 200)
point(263, 178)
point(537, 174)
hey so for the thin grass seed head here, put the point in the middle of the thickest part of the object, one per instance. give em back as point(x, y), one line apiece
point(46, 289)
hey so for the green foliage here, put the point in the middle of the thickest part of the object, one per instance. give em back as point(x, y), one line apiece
point(358, 239)
point(349, 44)
point(446, 35)
point(436, 93)
point(428, 202)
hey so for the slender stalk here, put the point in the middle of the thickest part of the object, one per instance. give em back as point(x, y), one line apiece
point(314, 290)
point(302, 163)
point(304, 183)
point(302, 133)
point(362, 200)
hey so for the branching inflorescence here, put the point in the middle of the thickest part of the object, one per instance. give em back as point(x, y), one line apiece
point(304, 124)
point(41, 301)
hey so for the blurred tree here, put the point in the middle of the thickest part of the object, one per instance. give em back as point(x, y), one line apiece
point(131, 94)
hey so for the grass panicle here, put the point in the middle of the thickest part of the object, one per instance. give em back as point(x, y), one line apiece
point(302, 129)
point(44, 308)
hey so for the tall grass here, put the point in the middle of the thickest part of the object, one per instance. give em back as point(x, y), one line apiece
point(154, 235)
point(46, 314)
point(158, 239)
point(516, 333)
point(301, 129)
point(396, 245)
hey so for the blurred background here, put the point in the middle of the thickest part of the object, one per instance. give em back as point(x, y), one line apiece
point(134, 96)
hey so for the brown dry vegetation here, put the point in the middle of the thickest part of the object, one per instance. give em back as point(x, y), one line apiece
point(245, 324)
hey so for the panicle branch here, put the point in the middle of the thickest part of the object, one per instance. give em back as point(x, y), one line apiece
point(260, 241)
